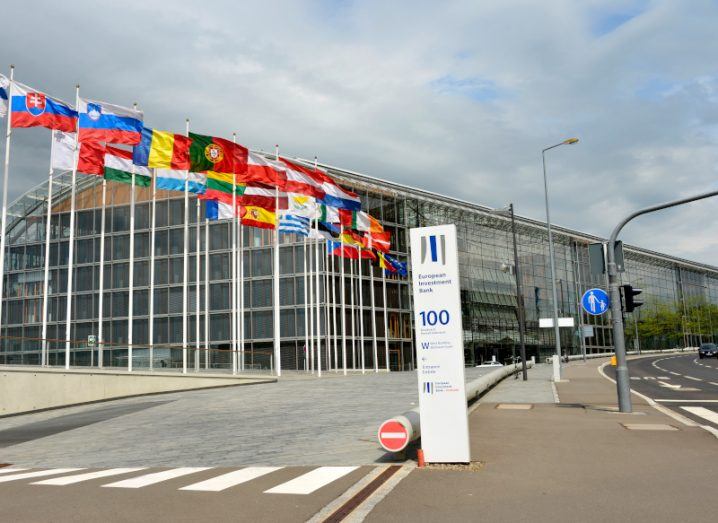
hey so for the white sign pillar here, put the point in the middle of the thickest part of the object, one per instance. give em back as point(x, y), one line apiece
point(439, 345)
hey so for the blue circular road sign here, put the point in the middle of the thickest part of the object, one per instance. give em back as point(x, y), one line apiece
point(595, 301)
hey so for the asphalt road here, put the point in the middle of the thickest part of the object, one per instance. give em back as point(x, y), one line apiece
point(683, 383)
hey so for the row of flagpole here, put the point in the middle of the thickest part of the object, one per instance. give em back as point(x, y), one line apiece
point(312, 269)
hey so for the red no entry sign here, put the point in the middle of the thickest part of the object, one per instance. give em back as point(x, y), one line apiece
point(393, 436)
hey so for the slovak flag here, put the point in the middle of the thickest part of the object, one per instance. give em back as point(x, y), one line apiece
point(104, 122)
point(31, 108)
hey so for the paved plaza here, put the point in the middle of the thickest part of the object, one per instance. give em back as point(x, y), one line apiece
point(301, 420)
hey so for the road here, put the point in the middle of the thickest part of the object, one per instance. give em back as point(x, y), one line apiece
point(683, 383)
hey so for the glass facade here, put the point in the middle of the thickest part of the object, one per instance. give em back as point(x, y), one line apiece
point(680, 310)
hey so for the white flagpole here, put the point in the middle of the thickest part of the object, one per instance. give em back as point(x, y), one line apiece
point(101, 299)
point(197, 276)
point(206, 294)
point(328, 331)
point(233, 329)
point(311, 310)
point(6, 173)
point(306, 306)
point(185, 263)
point(373, 319)
point(46, 280)
point(386, 321)
point(277, 333)
point(131, 293)
point(353, 314)
point(334, 314)
point(344, 301)
point(240, 292)
point(319, 299)
point(71, 250)
point(361, 314)
point(152, 270)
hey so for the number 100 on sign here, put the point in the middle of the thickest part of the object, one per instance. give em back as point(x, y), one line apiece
point(432, 318)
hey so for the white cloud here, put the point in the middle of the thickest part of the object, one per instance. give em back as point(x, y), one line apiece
point(457, 97)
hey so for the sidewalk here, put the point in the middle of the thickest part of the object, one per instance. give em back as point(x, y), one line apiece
point(572, 461)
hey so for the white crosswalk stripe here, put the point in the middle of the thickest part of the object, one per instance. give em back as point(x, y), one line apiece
point(311, 481)
point(230, 479)
point(11, 469)
point(306, 483)
point(35, 474)
point(155, 477)
point(77, 478)
point(704, 413)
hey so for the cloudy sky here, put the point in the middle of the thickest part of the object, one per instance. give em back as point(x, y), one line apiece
point(457, 97)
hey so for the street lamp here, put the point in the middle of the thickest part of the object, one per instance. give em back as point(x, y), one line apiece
point(557, 357)
point(520, 311)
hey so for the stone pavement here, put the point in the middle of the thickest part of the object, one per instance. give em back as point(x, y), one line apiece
point(537, 388)
point(574, 461)
point(301, 420)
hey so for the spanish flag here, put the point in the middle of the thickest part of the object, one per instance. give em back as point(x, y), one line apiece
point(162, 150)
point(259, 217)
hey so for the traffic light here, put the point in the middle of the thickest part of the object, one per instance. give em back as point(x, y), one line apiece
point(628, 295)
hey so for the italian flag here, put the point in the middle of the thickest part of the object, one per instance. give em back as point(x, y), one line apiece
point(119, 168)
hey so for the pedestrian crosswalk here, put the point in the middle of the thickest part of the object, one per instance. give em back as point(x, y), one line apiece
point(306, 482)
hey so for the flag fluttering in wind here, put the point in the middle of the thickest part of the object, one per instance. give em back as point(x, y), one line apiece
point(32, 108)
point(119, 168)
point(263, 171)
point(216, 210)
point(105, 122)
point(209, 153)
point(392, 265)
point(302, 205)
point(334, 195)
point(91, 159)
point(254, 216)
point(290, 223)
point(162, 150)
point(381, 241)
point(4, 94)
point(174, 180)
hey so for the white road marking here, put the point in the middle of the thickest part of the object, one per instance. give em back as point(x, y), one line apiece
point(669, 385)
point(713, 383)
point(77, 478)
point(692, 378)
point(230, 479)
point(11, 469)
point(703, 413)
point(674, 373)
point(155, 477)
point(664, 377)
point(311, 481)
point(36, 474)
point(635, 378)
point(687, 401)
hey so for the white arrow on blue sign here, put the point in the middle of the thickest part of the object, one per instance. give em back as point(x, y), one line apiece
point(595, 301)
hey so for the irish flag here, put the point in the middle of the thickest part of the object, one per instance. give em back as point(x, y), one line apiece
point(119, 168)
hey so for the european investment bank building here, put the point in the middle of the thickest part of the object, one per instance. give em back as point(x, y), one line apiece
point(683, 290)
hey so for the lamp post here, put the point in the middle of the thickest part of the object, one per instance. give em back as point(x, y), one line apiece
point(557, 357)
point(520, 311)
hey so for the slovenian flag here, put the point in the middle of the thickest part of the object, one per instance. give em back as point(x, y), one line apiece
point(32, 108)
point(104, 122)
point(119, 168)
point(4, 88)
point(162, 150)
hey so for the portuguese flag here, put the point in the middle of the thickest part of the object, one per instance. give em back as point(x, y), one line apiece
point(209, 153)
point(119, 168)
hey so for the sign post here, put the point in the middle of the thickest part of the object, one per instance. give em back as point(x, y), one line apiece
point(439, 342)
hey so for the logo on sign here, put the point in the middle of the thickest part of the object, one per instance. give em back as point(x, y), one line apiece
point(428, 387)
point(35, 103)
point(433, 247)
